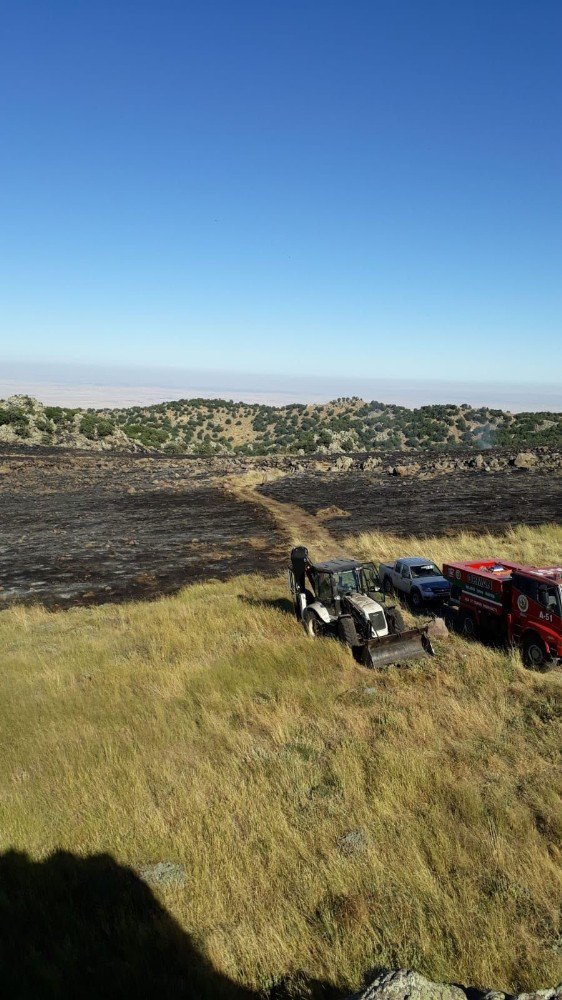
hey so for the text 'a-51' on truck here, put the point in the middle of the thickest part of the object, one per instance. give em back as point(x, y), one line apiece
point(506, 602)
point(342, 598)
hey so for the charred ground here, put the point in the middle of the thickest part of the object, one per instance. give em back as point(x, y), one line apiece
point(79, 528)
point(444, 504)
point(76, 530)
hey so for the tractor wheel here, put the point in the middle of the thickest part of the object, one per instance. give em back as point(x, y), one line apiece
point(534, 654)
point(416, 599)
point(347, 631)
point(395, 621)
point(387, 586)
point(468, 627)
point(312, 624)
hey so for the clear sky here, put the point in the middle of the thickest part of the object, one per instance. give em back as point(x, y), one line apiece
point(357, 188)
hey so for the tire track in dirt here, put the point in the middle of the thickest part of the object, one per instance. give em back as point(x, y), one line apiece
point(296, 524)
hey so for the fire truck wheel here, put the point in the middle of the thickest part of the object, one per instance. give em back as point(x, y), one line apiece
point(534, 653)
point(468, 627)
point(451, 620)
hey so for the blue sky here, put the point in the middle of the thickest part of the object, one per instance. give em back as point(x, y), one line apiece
point(362, 189)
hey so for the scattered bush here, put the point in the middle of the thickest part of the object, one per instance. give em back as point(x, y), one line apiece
point(356, 425)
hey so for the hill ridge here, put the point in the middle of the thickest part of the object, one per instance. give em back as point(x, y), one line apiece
point(201, 426)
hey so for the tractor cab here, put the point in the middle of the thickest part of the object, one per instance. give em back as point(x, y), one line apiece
point(339, 577)
point(330, 581)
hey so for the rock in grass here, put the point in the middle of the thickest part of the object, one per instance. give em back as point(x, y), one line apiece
point(403, 984)
point(438, 629)
point(352, 843)
point(163, 874)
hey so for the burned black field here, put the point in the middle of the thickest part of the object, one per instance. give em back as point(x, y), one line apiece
point(441, 504)
point(79, 528)
point(84, 532)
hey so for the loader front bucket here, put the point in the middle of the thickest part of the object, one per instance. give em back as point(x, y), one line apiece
point(397, 649)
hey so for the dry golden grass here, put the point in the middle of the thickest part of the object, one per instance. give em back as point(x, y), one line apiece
point(205, 729)
point(531, 546)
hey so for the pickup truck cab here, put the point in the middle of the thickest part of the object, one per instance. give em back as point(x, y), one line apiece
point(418, 579)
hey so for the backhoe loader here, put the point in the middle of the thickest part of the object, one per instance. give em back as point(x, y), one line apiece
point(343, 598)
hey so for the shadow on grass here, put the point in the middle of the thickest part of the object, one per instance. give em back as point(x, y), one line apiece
point(91, 928)
point(277, 603)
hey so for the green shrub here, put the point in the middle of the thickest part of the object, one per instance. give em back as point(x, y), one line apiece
point(105, 428)
point(54, 413)
point(88, 425)
point(15, 418)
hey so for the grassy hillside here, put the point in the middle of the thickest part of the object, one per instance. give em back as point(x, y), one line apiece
point(218, 426)
point(327, 819)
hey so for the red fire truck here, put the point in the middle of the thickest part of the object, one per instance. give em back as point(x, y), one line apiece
point(510, 603)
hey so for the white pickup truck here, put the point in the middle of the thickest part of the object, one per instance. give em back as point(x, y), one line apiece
point(418, 579)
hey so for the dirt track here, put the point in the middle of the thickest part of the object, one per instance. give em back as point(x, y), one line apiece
point(297, 524)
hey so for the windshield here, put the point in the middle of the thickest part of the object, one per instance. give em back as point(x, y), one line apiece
point(347, 580)
point(428, 569)
point(363, 578)
point(371, 577)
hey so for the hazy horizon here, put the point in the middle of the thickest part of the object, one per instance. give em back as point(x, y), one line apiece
point(112, 385)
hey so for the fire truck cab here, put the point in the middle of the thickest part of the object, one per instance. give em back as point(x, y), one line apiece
point(511, 603)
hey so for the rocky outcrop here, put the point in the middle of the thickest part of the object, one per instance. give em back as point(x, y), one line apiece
point(524, 460)
point(422, 466)
point(26, 422)
point(546, 459)
point(403, 984)
point(404, 470)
